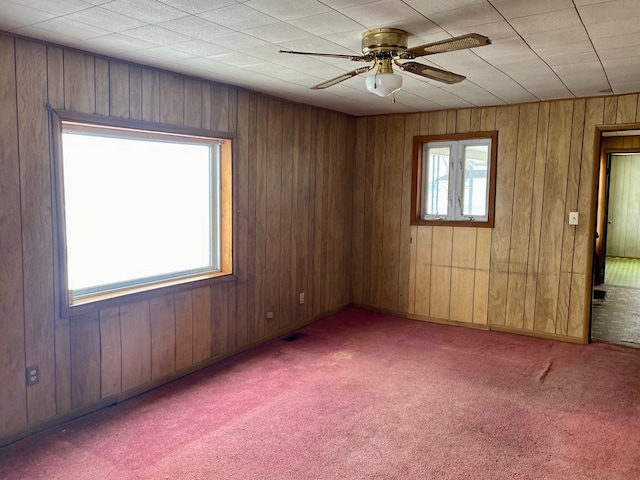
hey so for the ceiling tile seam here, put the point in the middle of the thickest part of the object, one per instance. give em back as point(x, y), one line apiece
point(592, 46)
point(535, 53)
point(474, 53)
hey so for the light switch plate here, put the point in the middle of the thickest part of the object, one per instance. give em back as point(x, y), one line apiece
point(573, 218)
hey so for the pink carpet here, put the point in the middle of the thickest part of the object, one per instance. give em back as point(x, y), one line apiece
point(367, 396)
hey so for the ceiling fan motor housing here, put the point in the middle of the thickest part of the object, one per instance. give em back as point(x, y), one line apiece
point(384, 40)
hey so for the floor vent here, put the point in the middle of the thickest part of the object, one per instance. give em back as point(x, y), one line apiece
point(294, 336)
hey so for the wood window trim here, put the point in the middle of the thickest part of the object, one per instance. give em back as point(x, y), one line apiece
point(416, 179)
point(140, 292)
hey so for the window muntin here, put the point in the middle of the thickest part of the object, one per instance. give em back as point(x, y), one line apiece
point(139, 209)
point(453, 179)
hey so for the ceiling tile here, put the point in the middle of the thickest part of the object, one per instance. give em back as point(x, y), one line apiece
point(544, 22)
point(326, 23)
point(237, 41)
point(338, 4)
point(13, 15)
point(196, 27)
point(389, 13)
point(429, 7)
point(494, 30)
point(613, 28)
point(556, 37)
point(166, 53)
point(146, 10)
point(155, 34)
point(113, 44)
point(523, 8)
point(57, 7)
point(198, 6)
point(629, 41)
point(103, 18)
point(466, 17)
point(288, 9)
point(277, 32)
point(34, 31)
point(239, 17)
point(68, 28)
point(571, 58)
point(566, 48)
point(607, 11)
point(198, 48)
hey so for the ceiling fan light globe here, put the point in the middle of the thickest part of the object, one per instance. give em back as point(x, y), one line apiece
point(384, 84)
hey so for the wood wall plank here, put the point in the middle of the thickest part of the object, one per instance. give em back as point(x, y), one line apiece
point(13, 394)
point(202, 320)
point(521, 216)
point(79, 82)
point(463, 260)
point(135, 332)
point(162, 317)
point(171, 97)
point(440, 291)
point(118, 89)
point(184, 329)
point(111, 352)
point(37, 225)
point(85, 360)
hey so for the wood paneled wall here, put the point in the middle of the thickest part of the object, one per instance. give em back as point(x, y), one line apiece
point(529, 274)
point(292, 214)
point(623, 230)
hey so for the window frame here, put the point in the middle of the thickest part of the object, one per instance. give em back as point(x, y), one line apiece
point(419, 144)
point(106, 299)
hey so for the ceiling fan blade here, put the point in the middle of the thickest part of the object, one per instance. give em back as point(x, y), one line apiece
point(342, 78)
point(353, 58)
point(462, 42)
point(431, 72)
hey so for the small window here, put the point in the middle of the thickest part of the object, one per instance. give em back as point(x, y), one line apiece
point(139, 208)
point(453, 179)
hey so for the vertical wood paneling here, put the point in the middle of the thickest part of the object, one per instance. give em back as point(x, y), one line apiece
point(79, 82)
point(111, 352)
point(135, 92)
point(118, 89)
point(422, 290)
point(359, 210)
point(162, 317)
point(219, 337)
point(102, 87)
point(273, 217)
point(85, 360)
point(392, 212)
point(411, 128)
point(463, 259)
point(440, 290)
point(150, 95)
point(521, 216)
point(202, 319)
point(171, 96)
point(260, 310)
point(507, 126)
point(368, 219)
point(13, 395)
point(193, 103)
point(135, 332)
point(553, 213)
point(481, 279)
point(184, 329)
point(536, 215)
point(241, 218)
point(287, 252)
point(37, 225)
point(378, 204)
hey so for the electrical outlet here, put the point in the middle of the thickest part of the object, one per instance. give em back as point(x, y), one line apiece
point(301, 298)
point(33, 375)
point(269, 315)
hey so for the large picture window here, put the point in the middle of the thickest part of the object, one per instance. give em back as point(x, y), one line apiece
point(139, 208)
point(453, 179)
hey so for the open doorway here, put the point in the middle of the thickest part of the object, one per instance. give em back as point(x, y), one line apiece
point(616, 299)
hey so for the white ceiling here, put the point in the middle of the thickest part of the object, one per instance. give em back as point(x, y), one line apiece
point(542, 49)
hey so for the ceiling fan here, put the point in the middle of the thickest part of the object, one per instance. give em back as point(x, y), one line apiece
point(385, 47)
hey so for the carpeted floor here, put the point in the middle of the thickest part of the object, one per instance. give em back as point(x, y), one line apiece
point(616, 317)
point(622, 272)
point(367, 396)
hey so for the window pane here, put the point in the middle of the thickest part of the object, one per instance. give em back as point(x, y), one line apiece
point(136, 209)
point(475, 178)
point(436, 189)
